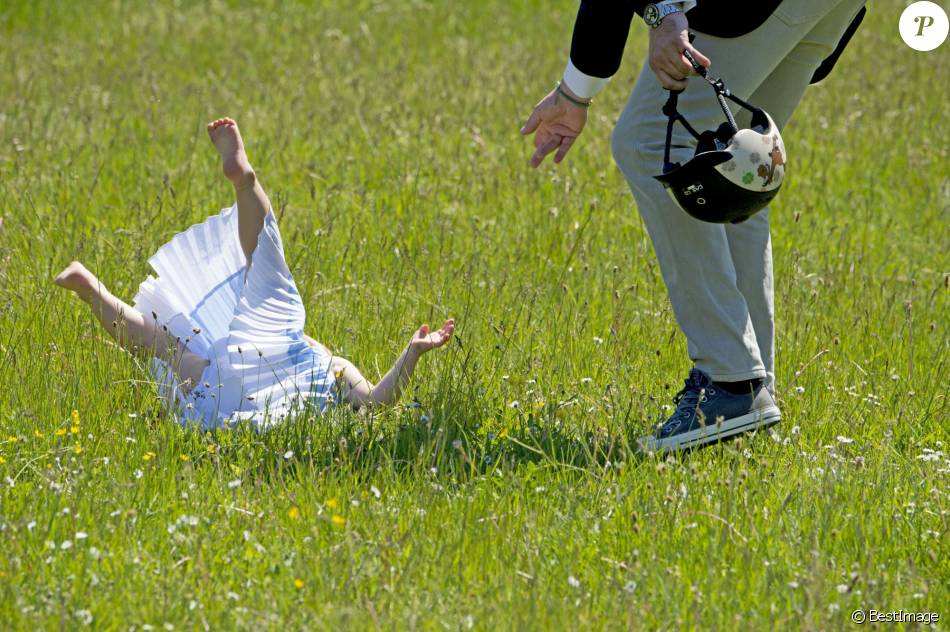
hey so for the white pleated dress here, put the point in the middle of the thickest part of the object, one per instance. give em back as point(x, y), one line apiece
point(248, 324)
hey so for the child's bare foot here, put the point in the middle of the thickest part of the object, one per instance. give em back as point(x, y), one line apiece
point(77, 279)
point(227, 140)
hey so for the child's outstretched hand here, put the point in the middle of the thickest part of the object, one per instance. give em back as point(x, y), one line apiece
point(424, 340)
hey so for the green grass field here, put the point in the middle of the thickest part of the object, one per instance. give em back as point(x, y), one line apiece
point(386, 134)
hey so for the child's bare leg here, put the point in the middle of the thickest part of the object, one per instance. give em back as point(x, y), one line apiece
point(252, 202)
point(134, 332)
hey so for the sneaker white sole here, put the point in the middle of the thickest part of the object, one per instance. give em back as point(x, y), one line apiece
point(712, 433)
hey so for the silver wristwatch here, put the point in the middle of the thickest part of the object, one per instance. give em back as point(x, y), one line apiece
point(653, 14)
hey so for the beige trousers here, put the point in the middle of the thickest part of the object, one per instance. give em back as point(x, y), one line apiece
point(719, 277)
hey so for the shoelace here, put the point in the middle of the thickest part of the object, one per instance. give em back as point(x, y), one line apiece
point(691, 395)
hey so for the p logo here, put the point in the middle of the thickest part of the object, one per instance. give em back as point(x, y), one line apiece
point(924, 21)
point(924, 25)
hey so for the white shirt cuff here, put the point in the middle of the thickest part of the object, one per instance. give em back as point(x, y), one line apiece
point(582, 84)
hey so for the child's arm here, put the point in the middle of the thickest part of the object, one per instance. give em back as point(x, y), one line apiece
point(387, 391)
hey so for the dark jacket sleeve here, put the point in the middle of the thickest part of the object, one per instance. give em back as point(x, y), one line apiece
point(826, 66)
point(600, 34)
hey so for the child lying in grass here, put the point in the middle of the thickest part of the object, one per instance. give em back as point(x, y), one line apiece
point(225, 337)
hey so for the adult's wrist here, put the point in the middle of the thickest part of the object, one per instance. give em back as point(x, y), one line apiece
point(571, 98)
point(566, 89)
point(673, 22)
point(655, 13)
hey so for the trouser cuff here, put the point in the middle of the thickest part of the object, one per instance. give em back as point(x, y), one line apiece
point(756, 374)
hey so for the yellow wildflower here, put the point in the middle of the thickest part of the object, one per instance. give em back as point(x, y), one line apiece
point(60, 432)
point(184, 457)
point(77, 448)
point(293, 512)
point(38, 434)
point(298, 583)
point(2, 460)
point(148, 456)
point(332, 503)
point(338, 520)
point(12, 439)
point(74, 429)
point(74, 416)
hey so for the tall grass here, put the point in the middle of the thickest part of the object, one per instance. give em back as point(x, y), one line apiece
point(505, 491)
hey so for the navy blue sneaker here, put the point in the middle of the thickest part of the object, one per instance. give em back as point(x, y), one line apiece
point(706, 413)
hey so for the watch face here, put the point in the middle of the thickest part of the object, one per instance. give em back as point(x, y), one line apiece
point(651, 14)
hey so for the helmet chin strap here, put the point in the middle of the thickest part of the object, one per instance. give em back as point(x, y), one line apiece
point(722, 93)
point(669, 109)
point(718, 85)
